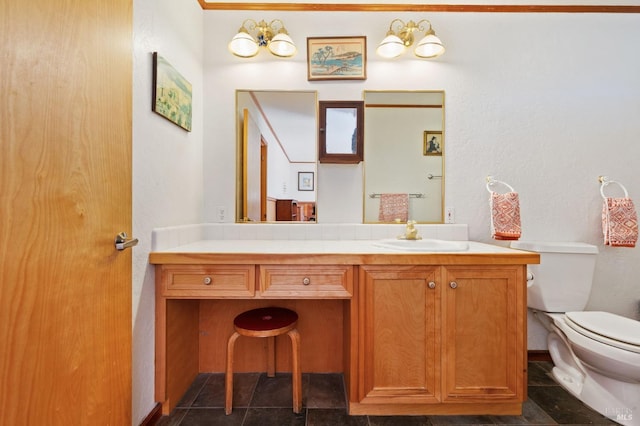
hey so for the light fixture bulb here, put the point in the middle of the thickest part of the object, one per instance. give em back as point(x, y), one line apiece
point(429, 47)
point(390, 47)
point(282, 45)
point(243, 45)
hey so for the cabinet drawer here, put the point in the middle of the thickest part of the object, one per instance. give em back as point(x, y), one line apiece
point(312, 281)
point(209, 281)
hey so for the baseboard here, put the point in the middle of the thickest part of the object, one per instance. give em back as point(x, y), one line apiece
point(153, 417)
point(538, 355)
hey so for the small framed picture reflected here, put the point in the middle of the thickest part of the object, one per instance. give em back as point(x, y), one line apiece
point(305, 181)
point(433, 143)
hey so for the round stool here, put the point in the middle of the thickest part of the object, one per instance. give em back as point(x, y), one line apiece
point(269, 323)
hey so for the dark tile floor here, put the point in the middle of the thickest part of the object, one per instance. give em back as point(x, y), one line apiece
point(262, 401)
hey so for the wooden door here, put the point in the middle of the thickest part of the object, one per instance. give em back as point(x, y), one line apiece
point(399, 336)
point(264, 151)
point(65, 192)
point(484, 349)
point(251, 160)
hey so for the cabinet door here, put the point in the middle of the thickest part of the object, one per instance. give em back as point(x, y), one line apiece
point(484, 333)
point(399, 334)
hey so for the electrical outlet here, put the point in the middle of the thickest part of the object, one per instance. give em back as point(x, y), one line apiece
point(221, 213)
point(449, 215)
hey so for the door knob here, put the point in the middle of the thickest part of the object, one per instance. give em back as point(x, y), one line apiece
point(122, 242)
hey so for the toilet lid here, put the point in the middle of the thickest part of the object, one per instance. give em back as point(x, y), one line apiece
point(607, 328)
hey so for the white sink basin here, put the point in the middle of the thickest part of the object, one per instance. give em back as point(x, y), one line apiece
point(428, 245)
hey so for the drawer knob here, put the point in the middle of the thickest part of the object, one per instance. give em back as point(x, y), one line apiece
point(207, 280)
point(431, 284)
point(306, 281)
point(453, 284)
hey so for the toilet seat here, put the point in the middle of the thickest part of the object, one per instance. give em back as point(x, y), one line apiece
point(608, 328)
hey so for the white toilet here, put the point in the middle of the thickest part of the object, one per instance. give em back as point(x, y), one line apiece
point(596, 355)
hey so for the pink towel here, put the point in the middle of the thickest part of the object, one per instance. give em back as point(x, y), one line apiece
point(619, 222)
point(505, 216)
point(394, 208)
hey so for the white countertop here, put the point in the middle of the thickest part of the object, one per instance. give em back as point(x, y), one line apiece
point(321, 247)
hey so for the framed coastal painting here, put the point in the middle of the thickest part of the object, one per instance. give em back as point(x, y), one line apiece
point(337, 58)
point(433, 143)
point(171, 93)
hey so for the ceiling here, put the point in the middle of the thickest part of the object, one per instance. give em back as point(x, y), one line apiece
point(292, 117)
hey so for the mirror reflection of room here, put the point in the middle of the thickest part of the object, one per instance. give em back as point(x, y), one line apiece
point(403, 151)
point(277, 156)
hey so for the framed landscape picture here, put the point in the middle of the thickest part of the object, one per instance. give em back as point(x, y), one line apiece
point(337, 58)
point(171, 93)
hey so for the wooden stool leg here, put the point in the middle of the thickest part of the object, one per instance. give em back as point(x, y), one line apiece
point(228, 380)
point(296, 374)
point(271, 356)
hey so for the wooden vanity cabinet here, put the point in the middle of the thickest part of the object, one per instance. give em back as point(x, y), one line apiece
point(441, 339)
point(483, 334)
point(414, 334)
point(399, 335)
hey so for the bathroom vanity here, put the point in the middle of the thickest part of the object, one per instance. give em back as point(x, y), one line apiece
point(414, 332)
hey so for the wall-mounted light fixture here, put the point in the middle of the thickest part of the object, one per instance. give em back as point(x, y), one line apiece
point(273, 36)
point(398, 39)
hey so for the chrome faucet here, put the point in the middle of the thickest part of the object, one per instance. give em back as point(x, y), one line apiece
point(410, 233)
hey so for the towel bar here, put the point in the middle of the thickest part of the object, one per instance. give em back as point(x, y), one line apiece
point(604, 181)
point(414, 195)
point(491, 181)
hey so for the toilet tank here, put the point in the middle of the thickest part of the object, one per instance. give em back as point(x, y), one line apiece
point(562, 281)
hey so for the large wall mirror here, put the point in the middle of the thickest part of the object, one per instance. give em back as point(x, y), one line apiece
point(404, 156)
point(277, 156)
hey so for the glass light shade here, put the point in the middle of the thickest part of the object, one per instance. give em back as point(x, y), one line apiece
point(390, 47)
point(282, 45)
point(429, 47)
point(243, 45)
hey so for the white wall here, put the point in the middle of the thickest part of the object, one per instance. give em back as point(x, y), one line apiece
point(546, 102)
point(167, 164)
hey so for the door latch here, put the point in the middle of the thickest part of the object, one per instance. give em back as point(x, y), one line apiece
point(122, 242)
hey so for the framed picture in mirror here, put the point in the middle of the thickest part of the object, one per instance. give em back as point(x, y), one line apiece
point(433, 143)
point(341, 132)
point(305, 181)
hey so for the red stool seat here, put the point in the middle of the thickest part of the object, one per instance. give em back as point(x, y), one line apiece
point(266, 319)
point(266, 322)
